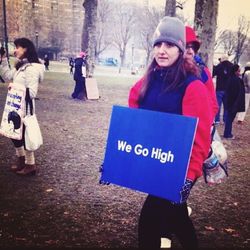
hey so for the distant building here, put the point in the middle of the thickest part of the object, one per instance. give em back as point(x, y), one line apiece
point(55, 24)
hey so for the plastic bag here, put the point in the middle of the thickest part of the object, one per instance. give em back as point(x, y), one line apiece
point(215, 166)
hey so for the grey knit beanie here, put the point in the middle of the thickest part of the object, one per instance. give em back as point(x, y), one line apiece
point(170, 29)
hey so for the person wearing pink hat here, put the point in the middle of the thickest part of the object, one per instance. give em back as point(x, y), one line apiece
point(79, 77)
point(82, 54)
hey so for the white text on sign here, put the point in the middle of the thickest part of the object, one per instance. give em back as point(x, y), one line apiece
point(155, 153)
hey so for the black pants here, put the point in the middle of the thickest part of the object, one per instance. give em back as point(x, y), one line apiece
point(80, 89)
point(19, 143)
point(160, 217)
point(229, 124)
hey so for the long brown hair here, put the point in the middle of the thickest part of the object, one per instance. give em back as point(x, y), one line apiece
point(176, 73)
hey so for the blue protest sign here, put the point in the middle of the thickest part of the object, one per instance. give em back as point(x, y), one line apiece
point(148, 151)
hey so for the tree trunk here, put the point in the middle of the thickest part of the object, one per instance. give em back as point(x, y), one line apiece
point(89, 34)
point(170, 8)
point(205, 20)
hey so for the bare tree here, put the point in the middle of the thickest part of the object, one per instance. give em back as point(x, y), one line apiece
point(227, 41)
point(205, 20)
point(103, 33)
point(147, 20)
point(123, 29)
point(241, 37)
point(218, 39)
point(246, 55)
point(170, 8)
point(234, 42)
point(56, 40)
point(89, 34)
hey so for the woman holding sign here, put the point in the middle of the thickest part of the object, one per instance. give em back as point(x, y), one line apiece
point(28, 72)
point(171, 84)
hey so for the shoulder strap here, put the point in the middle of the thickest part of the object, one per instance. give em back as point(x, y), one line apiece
point(213, 131)
point(28, 101)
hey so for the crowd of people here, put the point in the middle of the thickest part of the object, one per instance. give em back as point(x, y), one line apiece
point(176, 81)
point(232, 93)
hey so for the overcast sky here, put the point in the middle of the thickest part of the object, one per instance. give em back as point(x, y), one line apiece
point(229, 11)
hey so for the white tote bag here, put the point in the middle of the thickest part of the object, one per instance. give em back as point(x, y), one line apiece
point(33, 136)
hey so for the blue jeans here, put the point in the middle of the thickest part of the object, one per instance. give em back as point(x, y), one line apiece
point(220, 95)
point(229, 124)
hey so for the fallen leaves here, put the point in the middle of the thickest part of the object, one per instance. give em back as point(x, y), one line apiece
point(209, 228)
point(229, 230)
point(20, 239)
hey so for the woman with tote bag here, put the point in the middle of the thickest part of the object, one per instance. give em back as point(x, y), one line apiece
point(28, 72)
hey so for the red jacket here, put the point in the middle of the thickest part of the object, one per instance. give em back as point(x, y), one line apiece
point(195, 103)
point(212, 96)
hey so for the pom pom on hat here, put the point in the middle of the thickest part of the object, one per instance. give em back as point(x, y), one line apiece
point(172, 30)
point(82, 54)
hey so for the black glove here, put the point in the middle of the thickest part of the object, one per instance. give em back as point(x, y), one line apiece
point(101, 181)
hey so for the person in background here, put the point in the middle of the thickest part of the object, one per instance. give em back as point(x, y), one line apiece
point(235, 99)
point(221, 72)
point(46, 62)
point(192, 48)
point(246, 79)
point(71, 65)
point(172, 84)
point(29, 72)
point(79, 77)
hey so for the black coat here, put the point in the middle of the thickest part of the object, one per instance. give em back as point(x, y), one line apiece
point(235, 94)
point(222, 72)
point(79, 63)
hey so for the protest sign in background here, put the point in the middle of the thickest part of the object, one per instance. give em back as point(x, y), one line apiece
point(11, 124)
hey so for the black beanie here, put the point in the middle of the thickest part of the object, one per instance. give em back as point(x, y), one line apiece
point(172, 30)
